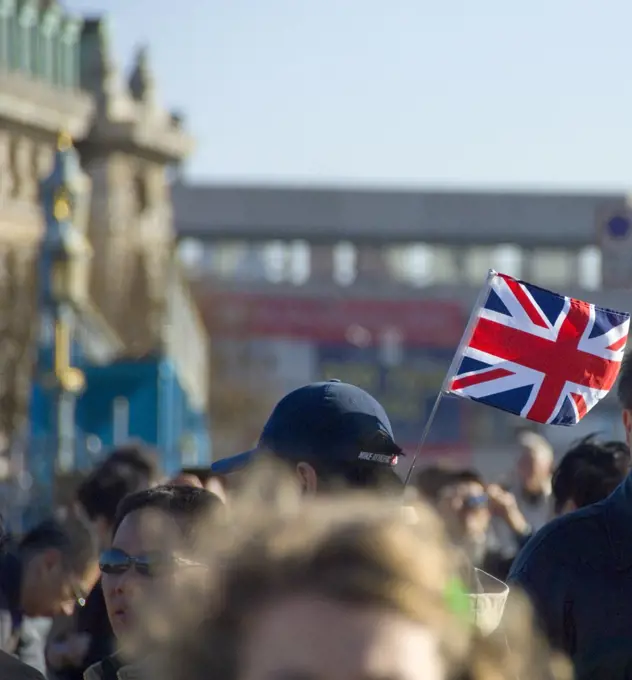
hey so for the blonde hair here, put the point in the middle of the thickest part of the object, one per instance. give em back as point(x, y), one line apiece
point(357, 550)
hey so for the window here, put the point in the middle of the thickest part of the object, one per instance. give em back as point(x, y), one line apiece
point(345, 263)
point(506, 259)
point(476, 263)
point(68, 53)
point(56, 65)
point(589, 268)
point(298, 262)
point(191, 253)
point(421, 264)
point(275, 259)
point(228, 258)
point(27, 39)
point(35, 42)
point(412, 264)
point(14, 43)
point(552, 267)
point(5, 20)
point(47, 42)
point(62, 61)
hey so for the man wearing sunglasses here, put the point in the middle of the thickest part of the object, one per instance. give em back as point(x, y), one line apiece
point(468, 505)
point(127, 469)
point(154, 539)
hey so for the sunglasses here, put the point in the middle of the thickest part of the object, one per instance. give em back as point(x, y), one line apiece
point(474, 502)
point(116, 562)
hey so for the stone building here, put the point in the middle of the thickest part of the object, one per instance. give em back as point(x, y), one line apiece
point(57, 72)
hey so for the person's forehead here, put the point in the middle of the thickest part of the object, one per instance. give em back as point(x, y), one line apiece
point(308, 637)
point(468, 487)
point(146, 529)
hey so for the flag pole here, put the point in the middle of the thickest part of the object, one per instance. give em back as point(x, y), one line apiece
point(465, 339)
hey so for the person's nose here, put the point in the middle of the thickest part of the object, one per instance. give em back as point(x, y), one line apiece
point(127, 582)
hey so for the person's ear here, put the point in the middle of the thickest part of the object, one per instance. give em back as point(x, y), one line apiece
point(307, 478)
point(569, 506)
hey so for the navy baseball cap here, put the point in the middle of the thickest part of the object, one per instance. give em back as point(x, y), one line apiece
point(332, 422)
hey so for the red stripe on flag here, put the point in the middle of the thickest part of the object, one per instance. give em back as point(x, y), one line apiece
point(619, 344)
point(580, 404)
point(525, 301)
point(478, 378)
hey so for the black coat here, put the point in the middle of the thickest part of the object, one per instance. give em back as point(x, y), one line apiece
point(92, 619)
point(13, 669)
point(577, 571)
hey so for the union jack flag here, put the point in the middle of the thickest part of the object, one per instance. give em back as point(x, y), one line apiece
point(538, 354)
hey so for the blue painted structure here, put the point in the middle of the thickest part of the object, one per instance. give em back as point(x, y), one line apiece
point(86, 396)
point(158, 410)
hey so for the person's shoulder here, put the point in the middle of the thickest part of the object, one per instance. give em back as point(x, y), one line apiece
point(563, 540)
point(13, 669)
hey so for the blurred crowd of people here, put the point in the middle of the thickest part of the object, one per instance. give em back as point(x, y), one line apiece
point(308, 558)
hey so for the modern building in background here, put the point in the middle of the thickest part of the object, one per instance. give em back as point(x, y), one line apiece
point(376, 286)
point(142, 340)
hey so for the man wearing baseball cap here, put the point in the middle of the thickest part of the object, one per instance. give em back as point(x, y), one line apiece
point(331, 433)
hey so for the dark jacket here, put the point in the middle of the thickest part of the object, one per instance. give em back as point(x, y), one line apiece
point(112, 668)
point(577, 570)
point(10, 613)
point(13, 669)
point(92, 619)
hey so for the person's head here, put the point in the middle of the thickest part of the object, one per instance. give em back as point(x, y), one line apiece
point(463, 503)
point(211, 482)
point(588, 473)
point(331, 434)
point(154, 534)
point(430, 481)
point(143, 459)
point(126, 470)
point(335, 588)
point(535, 463)
point(54, 559)
point(624, 392)
point(184, 479)
point(339, 590)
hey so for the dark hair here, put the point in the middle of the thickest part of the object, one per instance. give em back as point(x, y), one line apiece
point(187, 504)
point(589, 472)
point(139, 456)
point(73, 540)
point(624, 388)
point(431, 480)
point(103, 490)
point(336, 476)
point(464, 476)
point(204, 474)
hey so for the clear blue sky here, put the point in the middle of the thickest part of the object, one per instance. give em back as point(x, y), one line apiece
point(406, 92)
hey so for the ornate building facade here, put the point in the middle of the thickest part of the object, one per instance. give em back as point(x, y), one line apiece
point(57, 72)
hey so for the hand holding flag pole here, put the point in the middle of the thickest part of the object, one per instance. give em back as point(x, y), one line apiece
point(534, 353)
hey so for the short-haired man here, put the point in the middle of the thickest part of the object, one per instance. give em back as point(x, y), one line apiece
point(155, 537)
point(38, 579)
point(331, 433)
point(578, 573)
point(589, 472)
point(127, 469)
